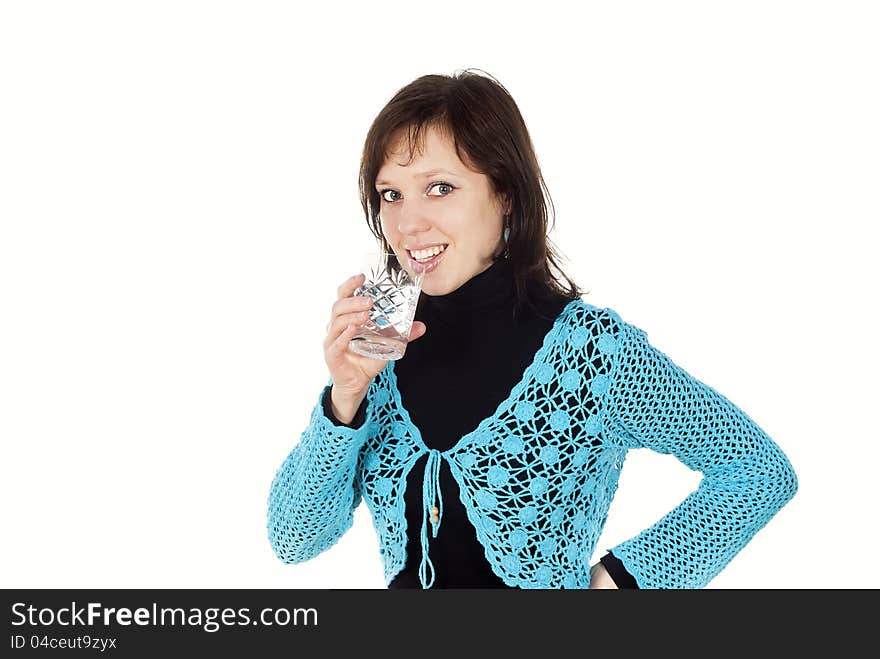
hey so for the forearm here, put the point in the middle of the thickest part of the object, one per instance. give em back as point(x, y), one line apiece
point(314, 493)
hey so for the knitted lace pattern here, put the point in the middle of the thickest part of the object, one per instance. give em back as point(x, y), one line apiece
point(537, 478)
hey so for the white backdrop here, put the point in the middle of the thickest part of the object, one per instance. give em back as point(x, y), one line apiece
point(178, 198)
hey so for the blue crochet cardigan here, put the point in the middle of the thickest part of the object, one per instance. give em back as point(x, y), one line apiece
point(595, 389)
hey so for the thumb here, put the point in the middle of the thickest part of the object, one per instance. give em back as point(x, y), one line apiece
point(418, 329)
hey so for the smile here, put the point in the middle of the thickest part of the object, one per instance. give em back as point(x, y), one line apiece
point(425, 267)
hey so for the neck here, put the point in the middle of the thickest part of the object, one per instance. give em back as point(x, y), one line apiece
point(487, 292)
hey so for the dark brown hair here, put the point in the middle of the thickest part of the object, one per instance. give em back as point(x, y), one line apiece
point(490, 137)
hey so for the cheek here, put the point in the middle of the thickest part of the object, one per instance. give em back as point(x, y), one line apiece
point(388, 228)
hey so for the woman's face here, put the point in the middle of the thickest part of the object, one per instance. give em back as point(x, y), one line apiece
point(436, 199)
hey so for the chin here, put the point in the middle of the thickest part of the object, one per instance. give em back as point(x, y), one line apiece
point(433, 289)
point(436, 284)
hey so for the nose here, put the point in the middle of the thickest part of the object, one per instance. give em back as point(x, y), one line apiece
point(412, 221)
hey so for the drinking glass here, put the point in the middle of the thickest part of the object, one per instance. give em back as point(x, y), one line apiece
point(395, 292)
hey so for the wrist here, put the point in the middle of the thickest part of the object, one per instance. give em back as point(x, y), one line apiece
point(344, 407)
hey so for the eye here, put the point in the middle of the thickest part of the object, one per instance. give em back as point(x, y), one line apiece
point(442, 185)
point(384, 198)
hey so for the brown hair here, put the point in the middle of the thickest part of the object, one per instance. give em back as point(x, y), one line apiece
point(490, 137)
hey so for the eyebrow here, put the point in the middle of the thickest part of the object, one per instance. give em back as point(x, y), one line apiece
point(427, 174)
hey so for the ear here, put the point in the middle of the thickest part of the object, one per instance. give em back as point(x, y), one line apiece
point(506, 205)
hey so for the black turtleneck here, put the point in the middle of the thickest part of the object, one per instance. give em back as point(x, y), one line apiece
point(474, 352)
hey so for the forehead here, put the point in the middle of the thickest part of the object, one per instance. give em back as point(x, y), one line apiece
point(437, 153)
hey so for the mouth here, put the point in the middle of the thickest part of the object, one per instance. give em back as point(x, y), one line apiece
point(426, 265)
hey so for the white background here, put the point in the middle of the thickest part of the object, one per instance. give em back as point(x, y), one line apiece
point(178, 197)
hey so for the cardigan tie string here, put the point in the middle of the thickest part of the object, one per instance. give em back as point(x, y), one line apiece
point(430, 494)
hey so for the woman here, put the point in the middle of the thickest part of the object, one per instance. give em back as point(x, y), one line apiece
point(509, 416)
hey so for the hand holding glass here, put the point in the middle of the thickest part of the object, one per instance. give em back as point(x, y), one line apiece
point(395, 294)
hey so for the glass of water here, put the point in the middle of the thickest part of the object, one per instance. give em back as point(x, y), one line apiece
point(395, 292)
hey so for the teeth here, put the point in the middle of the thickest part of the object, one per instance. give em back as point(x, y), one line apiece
point(423, 254)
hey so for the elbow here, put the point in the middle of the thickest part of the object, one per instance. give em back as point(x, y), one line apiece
point(783, 482)
point(297, 541)
point(789, 483)
point(288, 544)
point(285, 545)
point(281, 531)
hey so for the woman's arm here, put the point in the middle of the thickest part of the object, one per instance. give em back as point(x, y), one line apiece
point(316, 490)
point(747, 479)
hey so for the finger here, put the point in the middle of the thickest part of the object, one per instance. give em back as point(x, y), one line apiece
point(417, 330)
point(349, 286)
point(340, 344)
point(350, 304)
point(339, 323)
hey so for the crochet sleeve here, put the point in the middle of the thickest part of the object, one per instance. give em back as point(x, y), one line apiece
point(316, 490)
point(747, 479)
